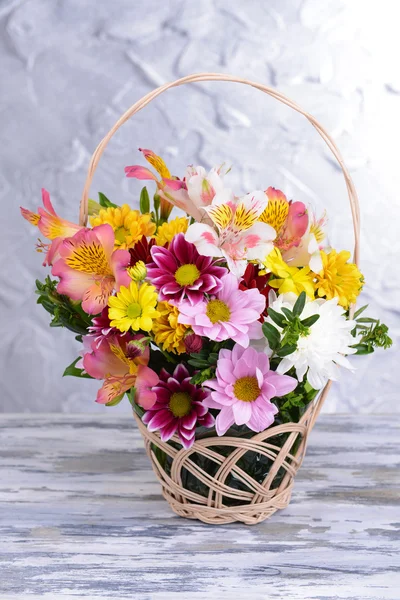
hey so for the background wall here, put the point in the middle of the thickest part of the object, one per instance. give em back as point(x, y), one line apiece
point(68, 69)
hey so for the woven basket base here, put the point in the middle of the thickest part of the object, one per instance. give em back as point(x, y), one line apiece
point(247, 514)
point(220, 490)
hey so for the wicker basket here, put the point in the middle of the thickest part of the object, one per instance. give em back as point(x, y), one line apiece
point(230, 494)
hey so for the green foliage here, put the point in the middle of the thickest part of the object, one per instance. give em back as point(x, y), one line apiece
point(144, 202)
point(371, 332)
point(105, 202)
point(206, 361)
point(73, 371)
point(299, 305)
point(272, 334)
point(65, 312)
point(283, 341)
point(292, 406)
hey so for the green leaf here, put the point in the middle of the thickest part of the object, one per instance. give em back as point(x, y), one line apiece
point(73, 371)
point(202, 376)
point(131, 395)
point(363, 349)
point(299, 305)
point(105, 202)
point(272, 334)
point(286, 350)
point(288, 313)
point(359, 311)
point(144, 201)
point(277, 317)
point(367, 320)
point(310, 320)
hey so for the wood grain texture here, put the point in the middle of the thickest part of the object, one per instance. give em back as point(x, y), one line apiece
point(81, 516)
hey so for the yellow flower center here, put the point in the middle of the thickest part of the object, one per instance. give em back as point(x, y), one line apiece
point(187, 274)
point(180, 404)
point(120, 234)
point(133, 310)
point(218, 311)
point(88, 258)
point(246, 389)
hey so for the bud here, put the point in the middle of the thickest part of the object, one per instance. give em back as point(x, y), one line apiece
point(136, 347)
point(193, 343)
point(93, 207)
point(165, 208)
point(138, 272)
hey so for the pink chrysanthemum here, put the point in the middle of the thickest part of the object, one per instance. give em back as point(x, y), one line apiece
point(100, 330)
point(231, 314)
point(244, 386)
point(180, 271)
point(179, 407)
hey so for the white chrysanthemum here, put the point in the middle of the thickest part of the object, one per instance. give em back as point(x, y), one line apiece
point(324, 348)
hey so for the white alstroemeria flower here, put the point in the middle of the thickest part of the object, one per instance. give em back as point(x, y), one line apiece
point(238, 235)
point(202, 186)
point(323, 348)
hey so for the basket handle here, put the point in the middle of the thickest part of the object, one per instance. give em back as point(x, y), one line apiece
point(354, 205)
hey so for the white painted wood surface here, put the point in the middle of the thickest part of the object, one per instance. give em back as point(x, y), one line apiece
point(81, 516)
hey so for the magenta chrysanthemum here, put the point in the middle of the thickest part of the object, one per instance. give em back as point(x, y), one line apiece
point(179, 407)
point(231, 314)
point(179, 272)
point(244, 386)
point(100, 329)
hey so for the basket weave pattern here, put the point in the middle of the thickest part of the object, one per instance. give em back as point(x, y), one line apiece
point(252, 506)
point(259, 500)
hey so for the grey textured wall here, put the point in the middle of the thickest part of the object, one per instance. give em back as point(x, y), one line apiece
point(69, 68)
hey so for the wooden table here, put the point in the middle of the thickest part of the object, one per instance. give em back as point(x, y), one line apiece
point(82, 517)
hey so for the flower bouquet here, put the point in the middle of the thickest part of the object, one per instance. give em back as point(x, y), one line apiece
point(223, 325)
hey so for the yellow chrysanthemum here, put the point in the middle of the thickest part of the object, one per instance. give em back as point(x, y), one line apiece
point(289, 279)
point(129, 225)
point(167, 231)
point(168, 333)
point(339, 278)
point(134, 307)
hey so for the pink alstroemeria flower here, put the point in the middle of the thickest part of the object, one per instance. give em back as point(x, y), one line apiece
point(239, 235)
point(231, 314)
point(308, 250)
point(51, 226)
point(122, 362)
point(90, 269)
point(295, 226)
point(243, 389)
point(192, 193)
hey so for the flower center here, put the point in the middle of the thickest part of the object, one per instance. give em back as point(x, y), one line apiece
point(120, 234)
point(218, 311)
point(133, 310)
point(246, 389)
point(180, 404)
point(187, 274)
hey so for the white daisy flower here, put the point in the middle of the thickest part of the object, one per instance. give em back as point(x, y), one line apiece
point(323, 346)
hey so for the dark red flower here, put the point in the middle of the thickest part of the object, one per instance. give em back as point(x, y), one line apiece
point(251, 279)
point(141, 251)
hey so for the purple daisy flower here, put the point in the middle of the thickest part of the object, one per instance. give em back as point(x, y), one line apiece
point(179, 271)
point(179, 407)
